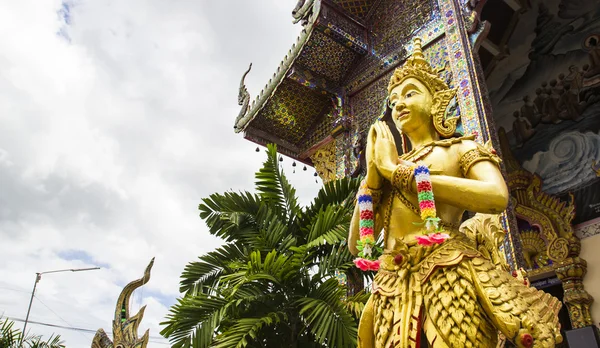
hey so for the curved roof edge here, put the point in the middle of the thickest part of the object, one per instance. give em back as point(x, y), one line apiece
point(267, 92)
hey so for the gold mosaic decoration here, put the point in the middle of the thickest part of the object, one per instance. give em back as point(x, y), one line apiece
point(324, 162)
point(368, 103)
point(292, 111)
point(357, 9)
point(389, 33)
point(319, 131)
point(326, 57)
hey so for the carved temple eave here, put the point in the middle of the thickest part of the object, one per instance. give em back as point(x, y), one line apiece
point(271, 87)
point(279, 113)
point(303, 11)
point(261, 137)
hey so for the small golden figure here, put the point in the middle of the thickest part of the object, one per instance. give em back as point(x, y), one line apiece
point(456, 289)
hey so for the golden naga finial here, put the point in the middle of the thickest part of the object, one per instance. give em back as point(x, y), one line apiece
point(125, 326)
point(416, 66)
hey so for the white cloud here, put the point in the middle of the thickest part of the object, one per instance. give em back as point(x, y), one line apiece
point(110, 135)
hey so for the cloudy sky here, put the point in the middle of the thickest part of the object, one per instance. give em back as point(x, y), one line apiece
point(116, 118)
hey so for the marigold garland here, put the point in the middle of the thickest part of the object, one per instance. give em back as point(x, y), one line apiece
point(366, 245)
point(427, 207)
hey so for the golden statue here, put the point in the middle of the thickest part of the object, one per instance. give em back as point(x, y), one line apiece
point(452, 284)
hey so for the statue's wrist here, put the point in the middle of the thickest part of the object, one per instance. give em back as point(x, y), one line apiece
point(375, 193)
point(374, 182)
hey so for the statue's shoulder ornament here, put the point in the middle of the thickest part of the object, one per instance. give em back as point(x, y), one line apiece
point(472, 152)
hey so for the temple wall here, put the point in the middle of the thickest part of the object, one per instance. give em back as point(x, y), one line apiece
point(554, 62)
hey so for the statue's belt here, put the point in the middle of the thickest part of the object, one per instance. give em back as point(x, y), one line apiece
point(419, 262)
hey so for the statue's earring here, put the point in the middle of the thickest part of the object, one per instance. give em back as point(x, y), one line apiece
point(445, 126)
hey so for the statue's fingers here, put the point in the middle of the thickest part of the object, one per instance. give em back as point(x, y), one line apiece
point(381, 130)
point(389, 132)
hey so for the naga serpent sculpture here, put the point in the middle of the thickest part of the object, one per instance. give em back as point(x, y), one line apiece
point(125, 327)
point(243, 98)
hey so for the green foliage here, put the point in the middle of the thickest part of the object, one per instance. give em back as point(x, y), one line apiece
point(272, 284)
point(10, 338)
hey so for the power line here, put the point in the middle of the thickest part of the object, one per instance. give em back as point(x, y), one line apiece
point(13, 289)
point(75, 328)
point(59, 317)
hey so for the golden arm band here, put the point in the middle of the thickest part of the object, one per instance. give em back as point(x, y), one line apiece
point(480, 153)
point(402, 178)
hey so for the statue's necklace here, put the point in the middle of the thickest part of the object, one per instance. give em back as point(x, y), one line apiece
point(419, 153)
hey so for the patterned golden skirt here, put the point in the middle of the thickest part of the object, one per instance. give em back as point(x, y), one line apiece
point(456, 296)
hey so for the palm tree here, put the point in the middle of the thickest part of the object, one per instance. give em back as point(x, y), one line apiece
point(272, 283)
point(10, 337)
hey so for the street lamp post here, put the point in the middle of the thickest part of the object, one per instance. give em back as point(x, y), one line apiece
point(38, 276)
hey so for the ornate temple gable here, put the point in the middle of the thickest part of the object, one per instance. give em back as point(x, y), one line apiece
point(551, 216)
point(324, 160)
point(393, 23)
point(301, 105)
point(346, 47)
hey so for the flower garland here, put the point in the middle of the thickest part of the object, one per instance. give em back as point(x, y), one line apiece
point(366, 245)
point(427, 207)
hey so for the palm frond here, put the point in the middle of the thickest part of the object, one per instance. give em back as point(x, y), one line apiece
point(246, 329)
point(356, 304)
point(203, 274)
point(226, 215)
point(276, 269)
point(338, 259)
point(327, 317)
point(54, 341)
point(9, 337)
point(274, 187)
point(329, 226)
point(336, 192)
point(194, 319)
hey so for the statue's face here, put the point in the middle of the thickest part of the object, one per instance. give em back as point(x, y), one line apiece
point(411, 104)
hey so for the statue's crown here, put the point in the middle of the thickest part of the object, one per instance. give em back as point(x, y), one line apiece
point(416, 66)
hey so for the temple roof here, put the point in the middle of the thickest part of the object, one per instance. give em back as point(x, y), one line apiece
point(300, 107)
point(359, 10)
point(301, 97)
